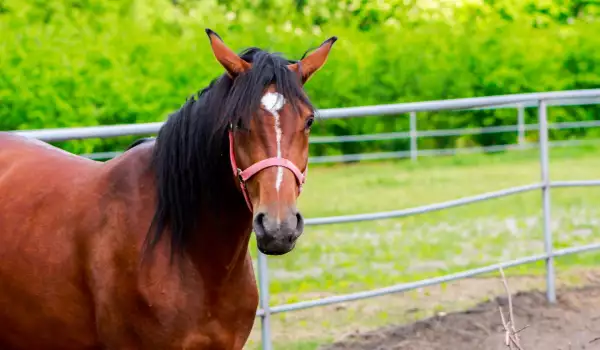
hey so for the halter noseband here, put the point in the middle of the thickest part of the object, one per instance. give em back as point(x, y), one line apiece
point(244, 175)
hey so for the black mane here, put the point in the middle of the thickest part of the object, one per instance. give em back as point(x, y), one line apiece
point(139, 142)
point(191, 153)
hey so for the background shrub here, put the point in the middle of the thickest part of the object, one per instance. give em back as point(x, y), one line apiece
point(93, 62)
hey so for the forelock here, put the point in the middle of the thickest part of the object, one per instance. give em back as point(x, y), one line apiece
point(248, 88)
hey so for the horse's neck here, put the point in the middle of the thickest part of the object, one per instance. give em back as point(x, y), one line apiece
point(220, 244)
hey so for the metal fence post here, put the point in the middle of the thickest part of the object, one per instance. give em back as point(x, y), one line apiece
point(544, 160)
point(413, 136)
point(263, 286)
point(521, 124)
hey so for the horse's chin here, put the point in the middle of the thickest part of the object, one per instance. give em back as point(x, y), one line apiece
point(276, 249)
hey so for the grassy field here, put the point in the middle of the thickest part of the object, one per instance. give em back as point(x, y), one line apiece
point(351, 257)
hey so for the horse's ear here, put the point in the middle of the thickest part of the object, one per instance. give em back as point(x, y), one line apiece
point(310, 64)
point(232, 63)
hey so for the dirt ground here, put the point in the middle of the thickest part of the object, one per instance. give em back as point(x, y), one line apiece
point(572, 323)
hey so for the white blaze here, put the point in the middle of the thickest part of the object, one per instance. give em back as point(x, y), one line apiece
point(273, 102)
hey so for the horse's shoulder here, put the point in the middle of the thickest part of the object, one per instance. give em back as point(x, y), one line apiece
point(27, 146)
point(7, 138)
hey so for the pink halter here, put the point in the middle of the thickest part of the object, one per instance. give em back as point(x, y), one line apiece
point(244, 175)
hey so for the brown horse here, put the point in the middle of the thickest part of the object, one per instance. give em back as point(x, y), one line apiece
point(150, 250)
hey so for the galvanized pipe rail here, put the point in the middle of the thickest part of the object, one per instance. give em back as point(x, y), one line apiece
point(508, 101)
point(543, 100)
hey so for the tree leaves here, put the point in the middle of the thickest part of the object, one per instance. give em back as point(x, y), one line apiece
point(88, 62)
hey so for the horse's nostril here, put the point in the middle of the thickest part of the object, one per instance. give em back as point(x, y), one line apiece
point(259, 224)
point(299, 222)
point(260, 219)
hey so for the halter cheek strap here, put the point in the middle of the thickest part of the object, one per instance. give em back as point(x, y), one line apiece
point(244, 175)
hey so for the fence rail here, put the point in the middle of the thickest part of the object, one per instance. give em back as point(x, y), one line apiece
point(450, 132)
point(574, 97)
point(541, 100)
point(413, 134)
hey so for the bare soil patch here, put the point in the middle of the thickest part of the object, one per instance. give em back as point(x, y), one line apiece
point(573, 323)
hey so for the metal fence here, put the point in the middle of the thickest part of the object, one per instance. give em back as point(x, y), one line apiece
point(414, 134)
point(541, 100)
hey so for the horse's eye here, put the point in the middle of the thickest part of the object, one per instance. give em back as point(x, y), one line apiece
point(309, 122)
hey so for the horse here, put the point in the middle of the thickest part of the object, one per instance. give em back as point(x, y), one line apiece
point(150, 250)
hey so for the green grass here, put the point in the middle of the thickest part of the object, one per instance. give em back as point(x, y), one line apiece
point(343, 258)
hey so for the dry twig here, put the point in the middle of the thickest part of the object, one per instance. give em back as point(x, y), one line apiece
point(511, 335)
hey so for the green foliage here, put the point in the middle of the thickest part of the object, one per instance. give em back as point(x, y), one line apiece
point(93, 62)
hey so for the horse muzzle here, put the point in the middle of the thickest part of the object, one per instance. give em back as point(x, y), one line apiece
point(277, 236)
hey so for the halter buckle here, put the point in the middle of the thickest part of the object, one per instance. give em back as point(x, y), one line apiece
point(240, 177)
